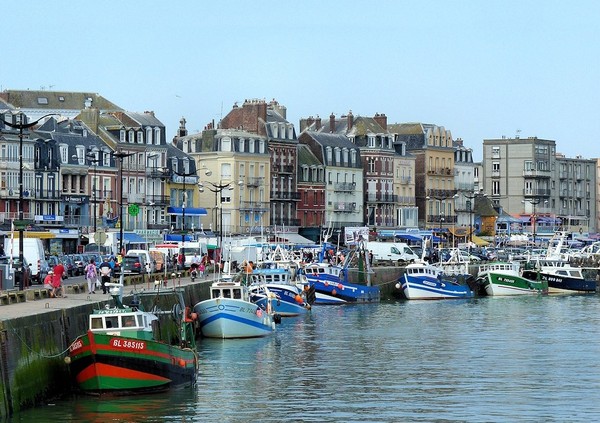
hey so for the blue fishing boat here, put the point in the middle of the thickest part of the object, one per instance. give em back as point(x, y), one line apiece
point(332, 287)
point(272, 284)
point(424, 281)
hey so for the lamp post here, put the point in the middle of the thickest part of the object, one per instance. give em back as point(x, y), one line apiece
point(20, 126)
point(184, 201)
point(470, 204)
point(534, 202)
point(121, 155)
point(217, 188)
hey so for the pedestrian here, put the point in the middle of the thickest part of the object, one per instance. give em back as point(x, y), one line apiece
point(105, 274)
point(59, 271)
point(92, 276)
point(48, 283)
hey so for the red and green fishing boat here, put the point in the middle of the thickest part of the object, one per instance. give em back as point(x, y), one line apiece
point(122, 351)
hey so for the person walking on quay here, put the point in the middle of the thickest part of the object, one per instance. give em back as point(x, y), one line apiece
point(57, 283)
point(92, 276)
point(105, 274)
point(59, 271)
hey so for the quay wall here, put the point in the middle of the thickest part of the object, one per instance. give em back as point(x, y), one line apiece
point(33, 346)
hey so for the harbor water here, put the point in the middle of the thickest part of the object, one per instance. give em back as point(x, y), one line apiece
point(534, 358)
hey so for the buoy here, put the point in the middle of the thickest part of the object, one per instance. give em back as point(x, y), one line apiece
point(334, 292)
point(68, 360)
point(326, 283)
point(398, 286)
point(298, 299)
point(340, 286)
point(181, 362)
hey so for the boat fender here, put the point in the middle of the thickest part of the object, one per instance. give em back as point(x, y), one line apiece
point(181, 362)
point(298, 299)
point(334, 292)
point(340, 286)
point(259, 312)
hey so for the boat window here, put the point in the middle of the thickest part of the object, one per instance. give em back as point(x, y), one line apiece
point(128, 321)
point(140, 321)
point(112, 322)
point(226, 293)
point(96, 322)
point(237, 294)
point(575, 273)
point(216, 293)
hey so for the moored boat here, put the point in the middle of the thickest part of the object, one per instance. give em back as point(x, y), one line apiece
point(332, 287)
point(229, 313)
point(424, 281)
point(563, 278)
point(121, 353)
point(267, 282)
point(505, 278)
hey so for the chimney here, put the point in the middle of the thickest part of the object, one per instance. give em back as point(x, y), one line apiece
point(309, 121)
point(331, 122)
point(182, 131)
point(350, 120)
point(318, 123)
point(381, 120)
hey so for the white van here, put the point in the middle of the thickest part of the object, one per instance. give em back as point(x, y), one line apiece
point(33, 251)
point(150, 262)
point(397, 252)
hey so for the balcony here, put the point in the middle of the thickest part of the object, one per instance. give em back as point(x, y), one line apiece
point(254, 206)
point(285, 195)
point(536, 173)
point(134, 198)
point(7, 216)
point(381, 198)
point(536, 192)
point(344, 186)
point(442, 171)
point(441, 193)
point(405, 180)
point(344, 207)
point(442, 220)
point(283, 169)
point(9, 193)
point(563, 175)
point(158, 200)
point(495, 173)
point(255, 182)
point(43, 194)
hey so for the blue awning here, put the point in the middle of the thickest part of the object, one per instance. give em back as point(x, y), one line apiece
point(189, 211)
point(177, 238)
point(407, 237)
point(132, 238)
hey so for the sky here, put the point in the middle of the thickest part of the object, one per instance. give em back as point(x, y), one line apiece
point(480, 68)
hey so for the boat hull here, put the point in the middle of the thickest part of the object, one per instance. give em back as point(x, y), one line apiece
point(226, 318)
point(423, 287)
point(288, 302)
point(558, 284)
point(104, 363)
point(499, 284)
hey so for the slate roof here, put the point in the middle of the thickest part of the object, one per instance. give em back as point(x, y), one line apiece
point(55, 100)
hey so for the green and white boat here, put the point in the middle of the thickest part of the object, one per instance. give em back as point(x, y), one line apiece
point(505, 278)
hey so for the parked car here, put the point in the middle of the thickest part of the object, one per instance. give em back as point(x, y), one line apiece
point(70, 268)
point(80, 263)
point(133, 264)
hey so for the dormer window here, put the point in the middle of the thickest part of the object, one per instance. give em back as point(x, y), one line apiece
point(157, 136)
point(148, 135)
point(131, 136)
point(140, 137)
point(122, 135)
point(226, 144)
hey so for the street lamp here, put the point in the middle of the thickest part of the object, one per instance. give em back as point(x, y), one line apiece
point(534, 202)
point(91, 157)
point(121, 155)
point(184, 201)
point(20, 126)
point(470, 205)
point(217, 189)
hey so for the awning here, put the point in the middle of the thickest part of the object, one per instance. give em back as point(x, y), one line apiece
point(294, 239)
point(189, 211)
point(408, 237)
point(177, 238)
point(132, 238)
point(34, 234)
point(480, 242)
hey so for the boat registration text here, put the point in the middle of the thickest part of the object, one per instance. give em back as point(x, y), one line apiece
point(127, 344)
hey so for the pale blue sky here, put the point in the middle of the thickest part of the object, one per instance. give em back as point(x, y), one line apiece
point(482, 69)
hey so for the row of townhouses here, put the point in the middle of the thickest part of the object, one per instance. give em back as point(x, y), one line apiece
point(89, 162)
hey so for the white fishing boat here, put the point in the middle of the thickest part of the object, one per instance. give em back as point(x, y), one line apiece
point(229, 313)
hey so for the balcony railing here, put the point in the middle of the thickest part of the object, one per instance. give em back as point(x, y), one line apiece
point(254, 206)
point(536, 173)
point(536, 192)
point(285, 222)
point(159, 200)
point(405, 180)
point(381, 198)
point(344, 186)
point(444, 220)
point(441, 193)
point(344, 207)
point(278, 195)
point(255, 182)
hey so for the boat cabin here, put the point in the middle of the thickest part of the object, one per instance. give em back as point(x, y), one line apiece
point(227, 290)
point(115, 320)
